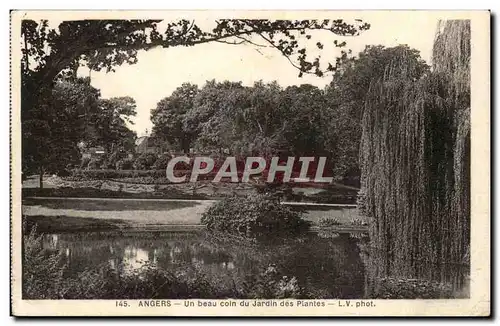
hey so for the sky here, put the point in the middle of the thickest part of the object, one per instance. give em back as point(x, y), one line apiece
point(159, 71)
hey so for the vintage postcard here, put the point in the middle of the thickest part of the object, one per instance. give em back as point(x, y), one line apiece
point(250, 163)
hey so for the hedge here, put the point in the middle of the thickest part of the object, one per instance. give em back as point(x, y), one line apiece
point(141, 176)
point(80, 175)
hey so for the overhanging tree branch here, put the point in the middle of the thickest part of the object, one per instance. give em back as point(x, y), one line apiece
point(109, 43)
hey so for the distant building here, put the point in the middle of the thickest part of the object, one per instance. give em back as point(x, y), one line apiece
point(93, 152)
point(147, 144)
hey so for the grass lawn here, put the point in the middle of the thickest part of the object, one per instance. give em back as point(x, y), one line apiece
point(48, 224)
point(135, 212)
point(92, 214)
point(104, 205)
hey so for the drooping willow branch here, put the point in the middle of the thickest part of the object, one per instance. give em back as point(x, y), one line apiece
point(415, 162)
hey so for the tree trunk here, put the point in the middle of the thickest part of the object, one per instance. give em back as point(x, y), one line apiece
point(185, 146)
point(41, 177)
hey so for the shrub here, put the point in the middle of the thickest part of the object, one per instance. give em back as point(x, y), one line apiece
point(358, 221)
point(161, 162)
point(86, 175)
point(124, 164)
point(95, 163)
point(148, 281)
point(112, 160)
point(42, 269)
point(272, 284)
point(358, 235)
point(145, 161)
point(329, 221)
point(147, 180)
point(182, 166)
point(256, 213)
point(328, 234)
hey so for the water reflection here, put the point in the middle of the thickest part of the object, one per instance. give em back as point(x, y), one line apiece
point(329, 267)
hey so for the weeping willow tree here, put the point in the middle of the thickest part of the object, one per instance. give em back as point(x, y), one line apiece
point(415, 160)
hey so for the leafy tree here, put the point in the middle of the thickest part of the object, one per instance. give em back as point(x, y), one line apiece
point(74, 113)
point(169, 115)
point(110, 127)
point(258, 121)
point(51, 132)
point(213, 104)
point(346, 96)
point(245, 118)
point(262, 119)
point(302, 113)
point(416, 166)
point(242, 119)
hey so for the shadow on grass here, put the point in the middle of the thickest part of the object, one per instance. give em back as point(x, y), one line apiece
point(104, 193)
point(101, 205)
point(51, 224)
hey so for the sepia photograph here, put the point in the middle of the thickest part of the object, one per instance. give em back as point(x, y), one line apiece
point(226, 163)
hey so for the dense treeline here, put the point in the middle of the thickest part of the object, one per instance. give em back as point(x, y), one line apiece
point(415, 162)
point(267, 119)
point(262, 119)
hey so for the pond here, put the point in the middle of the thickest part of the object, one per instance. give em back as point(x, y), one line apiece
point(320, 265)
